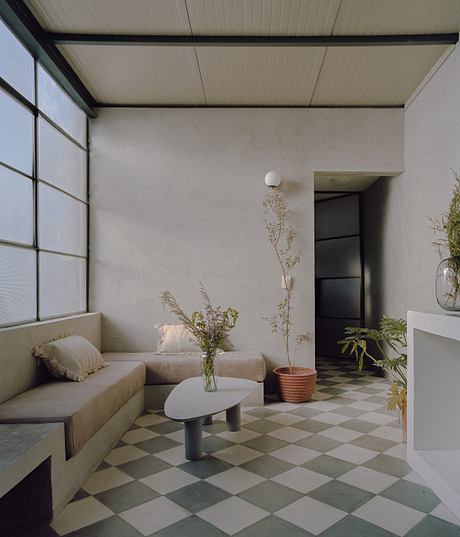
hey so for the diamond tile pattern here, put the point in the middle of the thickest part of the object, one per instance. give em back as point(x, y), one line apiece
point(332, 467)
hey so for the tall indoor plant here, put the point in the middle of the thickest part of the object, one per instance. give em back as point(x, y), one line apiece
point(390, 342)
point(296, 384)
point(448, 271)
point(210, 328)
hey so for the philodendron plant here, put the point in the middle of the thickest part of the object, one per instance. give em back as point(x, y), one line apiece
point(390, 341)
point(281, 236)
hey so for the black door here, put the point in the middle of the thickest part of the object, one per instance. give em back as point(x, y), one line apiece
point(338, 269)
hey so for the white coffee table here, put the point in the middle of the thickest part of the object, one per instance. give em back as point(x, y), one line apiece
point(188, 402)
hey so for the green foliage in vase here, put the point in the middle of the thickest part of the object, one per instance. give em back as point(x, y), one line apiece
point(210, 327)
point(448, 226)
point(390, 340)
point(281, 236)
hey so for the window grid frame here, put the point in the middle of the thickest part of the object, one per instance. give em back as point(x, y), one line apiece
point(34, 109)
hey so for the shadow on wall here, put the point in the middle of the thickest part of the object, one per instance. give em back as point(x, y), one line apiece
point(374, 219)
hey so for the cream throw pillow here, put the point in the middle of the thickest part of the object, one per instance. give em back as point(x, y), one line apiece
point(70, 357)
point(175, 339)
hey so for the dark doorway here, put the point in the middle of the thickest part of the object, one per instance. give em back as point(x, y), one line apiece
point(338, 268)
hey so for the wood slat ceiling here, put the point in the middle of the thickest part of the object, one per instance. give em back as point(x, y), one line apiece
point(345, 76)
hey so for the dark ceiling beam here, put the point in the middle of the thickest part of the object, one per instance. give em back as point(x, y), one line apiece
point(252, 40)
point(21, 21)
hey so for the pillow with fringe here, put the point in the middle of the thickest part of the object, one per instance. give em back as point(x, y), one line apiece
point(175, 339)
point(70, 357)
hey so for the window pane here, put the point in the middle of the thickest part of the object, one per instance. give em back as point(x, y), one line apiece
point(338, 257)
point(339, 298)
point(58, 106)
point(16, 64)
point(62, 285)
point(61, 222)
point(338, 217)
point(16, 207)
point(17, 285)
point(60, 161)
point(16, 134)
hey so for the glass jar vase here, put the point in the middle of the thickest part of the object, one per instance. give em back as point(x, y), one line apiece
point(209, 370)
point(448, 284)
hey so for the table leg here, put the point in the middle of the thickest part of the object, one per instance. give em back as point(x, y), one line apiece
point(207, 420)
point(234, 418)
point(192, 439)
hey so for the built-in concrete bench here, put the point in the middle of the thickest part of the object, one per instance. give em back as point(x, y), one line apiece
point(99, 410)
point(164, 371)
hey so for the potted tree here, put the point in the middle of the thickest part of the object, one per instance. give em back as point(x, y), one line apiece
point(295, 384)
point(390, 341)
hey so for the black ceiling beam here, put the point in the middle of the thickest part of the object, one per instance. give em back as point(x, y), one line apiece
point(19, 18)
point(252, 40)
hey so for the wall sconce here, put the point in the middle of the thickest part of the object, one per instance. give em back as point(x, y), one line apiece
point(272, 179)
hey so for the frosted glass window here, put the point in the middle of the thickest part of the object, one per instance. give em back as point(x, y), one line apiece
point(16, 207)
point(338, 257)
point(17, 285)
point(16, 64)
point(61, 222)
point(335, 218)
point(60, 161)
point(339, 298)
point(16, 134)
point(62, 285)
point(54, 102)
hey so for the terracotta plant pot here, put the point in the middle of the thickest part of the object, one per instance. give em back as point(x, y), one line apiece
point(404, 423)
point(296, 384)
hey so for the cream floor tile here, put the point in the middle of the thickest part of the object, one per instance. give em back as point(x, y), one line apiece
point(295, 454)
point(357, 396)
point(289, 434)
point(168, 480)
point(235, 480)
point(154, 515)
point(389, 515)
point(353, 454)
point(389, 433)
point(311, 515)
point(179, 436)
point(331, 418)
point(232, 515)
point(237, 454)
point(79, 514)
point(323, 405)
point(150, 419)
point(138, 435)
point(174, 456)
point(368, 479)
point(341, 434)
point(399, 451)
point(285, 419)
point(379, 419)
point(365, 405)
point(105, 480)
point(124, 454)
point(240, 436)
point(302, 480)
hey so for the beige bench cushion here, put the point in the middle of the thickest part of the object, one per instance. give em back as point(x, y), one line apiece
point(84, 407)
point(174, 368)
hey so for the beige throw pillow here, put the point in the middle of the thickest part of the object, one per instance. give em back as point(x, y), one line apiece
point(71, 357)
point(175, 339)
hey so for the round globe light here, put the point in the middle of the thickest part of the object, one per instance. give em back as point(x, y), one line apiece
point(272, 179)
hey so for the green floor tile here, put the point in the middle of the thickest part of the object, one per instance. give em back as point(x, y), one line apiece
point(413, 495)
point(341, 495)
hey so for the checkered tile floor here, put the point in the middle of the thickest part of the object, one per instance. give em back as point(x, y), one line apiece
point(332, 467)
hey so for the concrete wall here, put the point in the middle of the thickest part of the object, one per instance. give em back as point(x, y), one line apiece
point(176, 197)
point(400, 259)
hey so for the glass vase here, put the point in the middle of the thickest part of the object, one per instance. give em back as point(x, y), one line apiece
point(209, 370)
point(448, 284)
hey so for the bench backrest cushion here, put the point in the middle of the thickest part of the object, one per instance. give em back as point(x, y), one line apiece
point(19, 370)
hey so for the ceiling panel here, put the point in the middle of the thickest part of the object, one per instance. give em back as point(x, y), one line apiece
point(138, 75)
point(264, 17)
point(112, 16)
point(254, 75)
point(373, 17)
point(373, 75)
